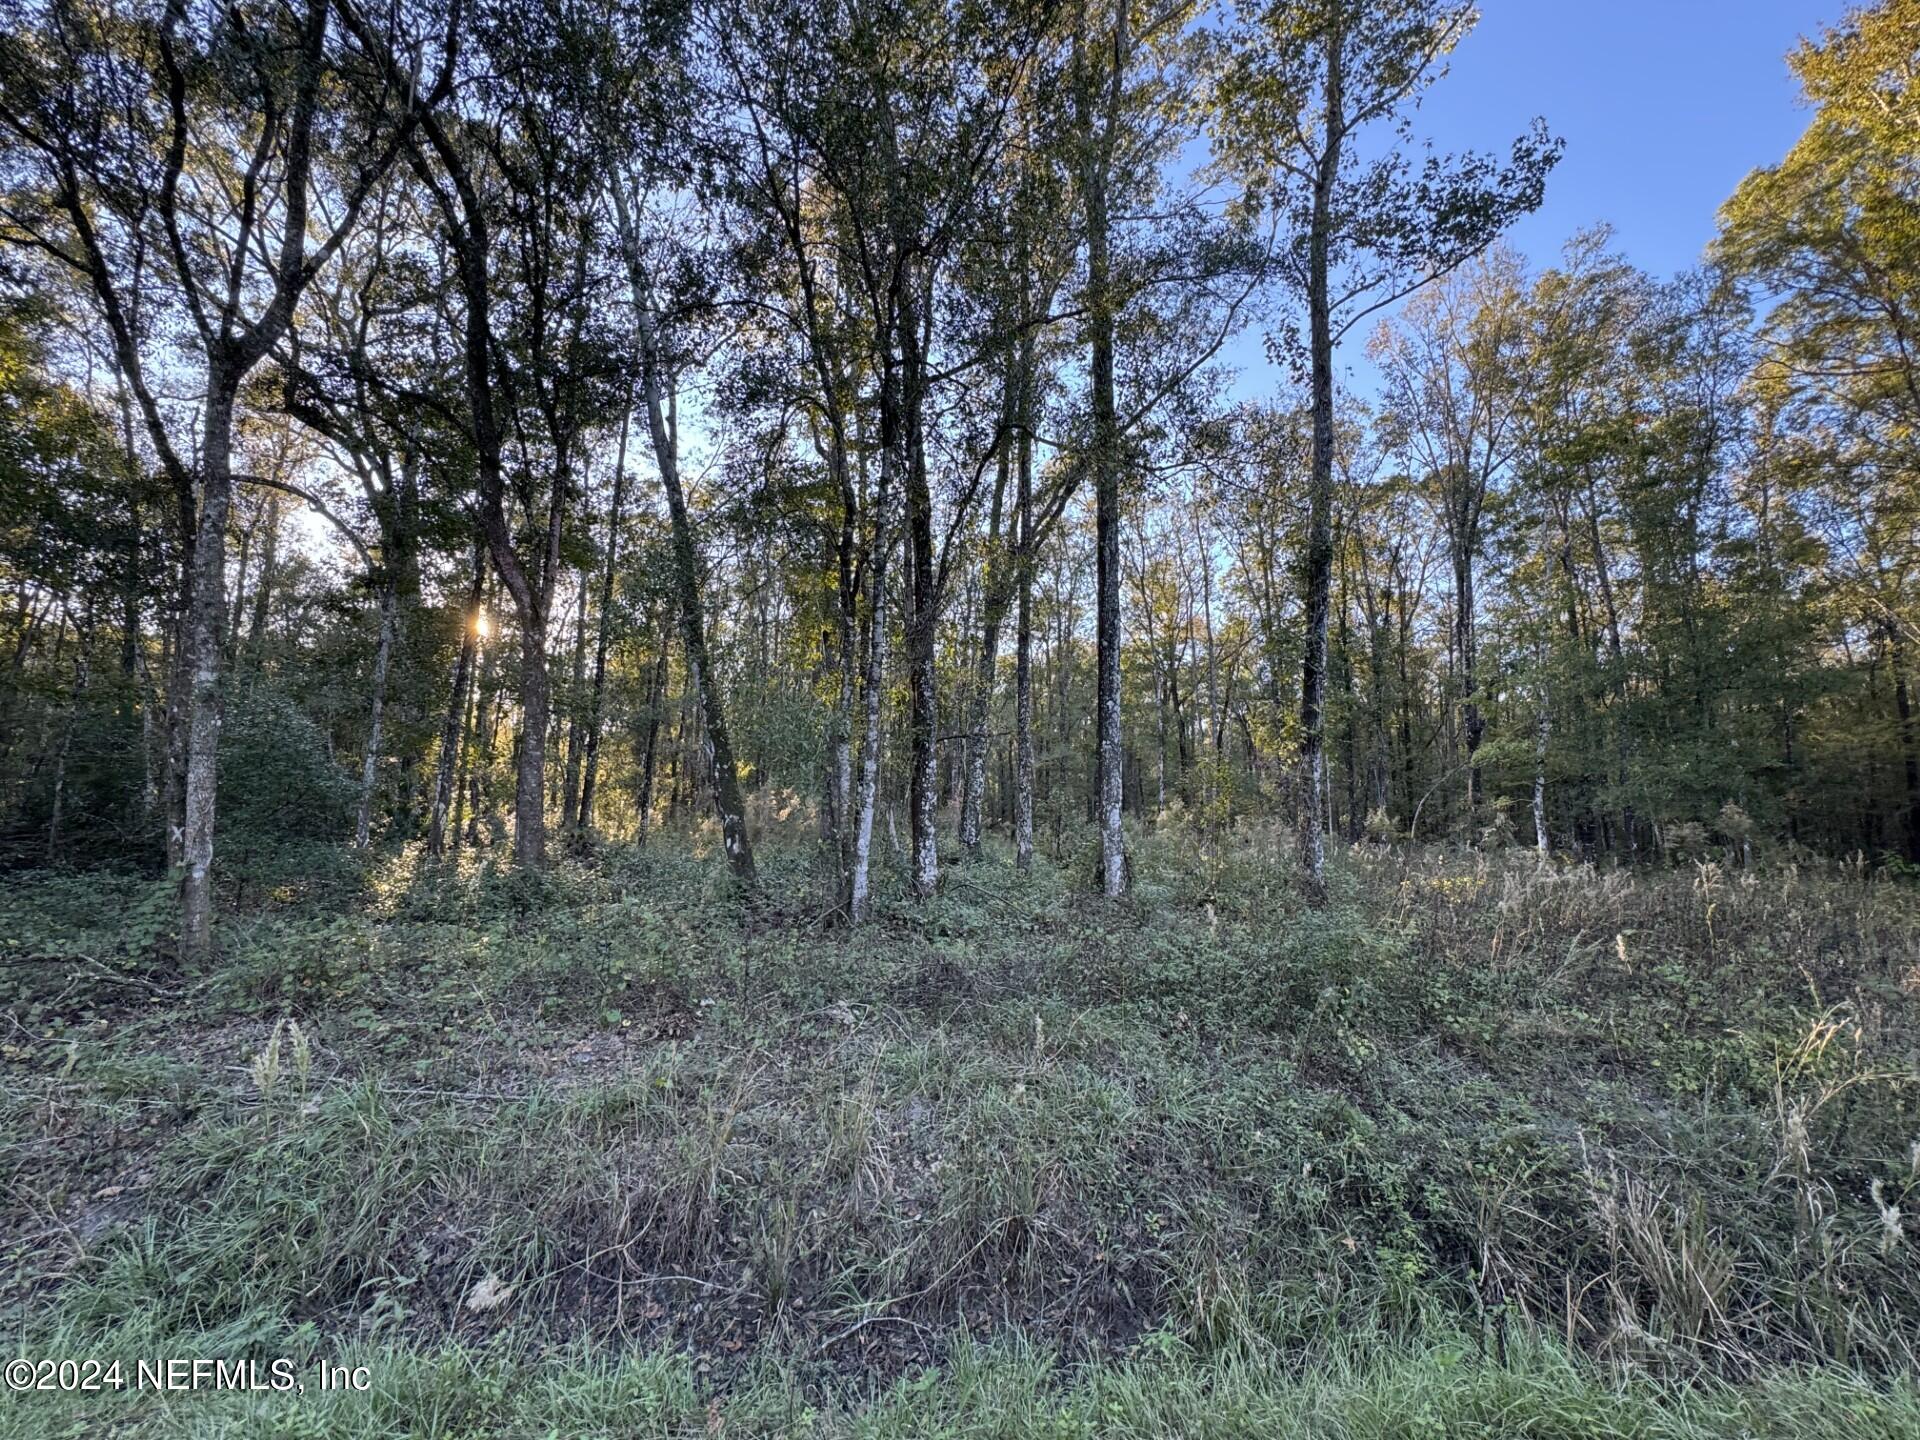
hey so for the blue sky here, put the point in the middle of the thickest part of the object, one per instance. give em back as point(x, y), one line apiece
point(1665, 105)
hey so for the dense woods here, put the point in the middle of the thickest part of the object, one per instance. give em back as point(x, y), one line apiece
point(1068, 520)
point(859, 409)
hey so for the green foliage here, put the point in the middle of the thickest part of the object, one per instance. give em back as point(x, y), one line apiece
point(1446, 1113)
point(1013, 1390)
point(282, 782)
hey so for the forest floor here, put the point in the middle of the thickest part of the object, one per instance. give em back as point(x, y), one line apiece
point(1478, 1149)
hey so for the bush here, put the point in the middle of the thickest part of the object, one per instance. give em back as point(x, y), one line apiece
point(279, 780)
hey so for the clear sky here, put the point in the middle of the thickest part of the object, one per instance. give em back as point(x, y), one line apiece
point(1664, 105)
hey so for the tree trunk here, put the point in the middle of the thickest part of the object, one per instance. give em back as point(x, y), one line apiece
point(1350, 739)
point(1909, 755)
point(874, 676)
point(369, 768)
point(530, 764)
point(263, 587)
point(922, 693)
point(973, 794)
point(1472, 725)
point(997, 592)
point(206, 615)
point(1603, 573)
point(475, 786)
point(1542, 727)
point(1319, 557)
point(1106, 473)
point(1380, 763)
point(656, 696)
point(596, 705)
point(82, 674)
point(238, 606)
point(453, 727)
point(686, 568)
point(1023, 663)
point(718, 750)
point(835, 812)
point(570, 784)
point(179, 706)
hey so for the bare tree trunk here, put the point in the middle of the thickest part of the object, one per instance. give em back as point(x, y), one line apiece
point(1542, 726)
point(1350, 740)
point(869, 778)
point(997, 592)
point(150, 776)
point(1160, 743)
point(239, 605)
point(206, 615)
point(1378, 605)
point(973, 794)
point(82, 673)
point(1603, 574)
point(263, 587)
point(679, 763)
point(1472, 726)
point(480, 748)
point(570, 784)
point(718, 750)
point(846, 627)
point(1319, 558)
point(179, 701)
point(1909, 755)
point(871, 688)
point(656, 696)
point(453, 728)
point(1023, 649)
point(836, 830)
point(693, 627)
point(1216, 718)
point(462, 778)
point(389, 605)
point(530, 765)
point(922, 694)
point(1106, 471)
point(596, 706)
point(1060, 654)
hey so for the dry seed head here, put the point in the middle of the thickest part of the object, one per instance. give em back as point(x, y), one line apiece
point(265, 1065)
point(1893, 1229)
point(302, 1051)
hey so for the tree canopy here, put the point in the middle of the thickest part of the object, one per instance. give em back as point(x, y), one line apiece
point(627, 414)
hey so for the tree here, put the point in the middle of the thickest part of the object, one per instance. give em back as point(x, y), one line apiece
point(1130, 113)
point(1300, 83)
point(129, 182)
point(1452, 403)
point(1829, 235)
point(514, 173)
point(657, 368)
point(871, 139)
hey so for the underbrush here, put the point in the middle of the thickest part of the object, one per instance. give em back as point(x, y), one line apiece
point(1477, 1139)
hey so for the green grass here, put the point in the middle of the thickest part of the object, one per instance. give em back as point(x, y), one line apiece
point(1476, 1150)
point(1009, 1391)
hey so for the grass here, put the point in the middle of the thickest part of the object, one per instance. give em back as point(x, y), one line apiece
point(1477, 1150)
point(1012, 1390)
